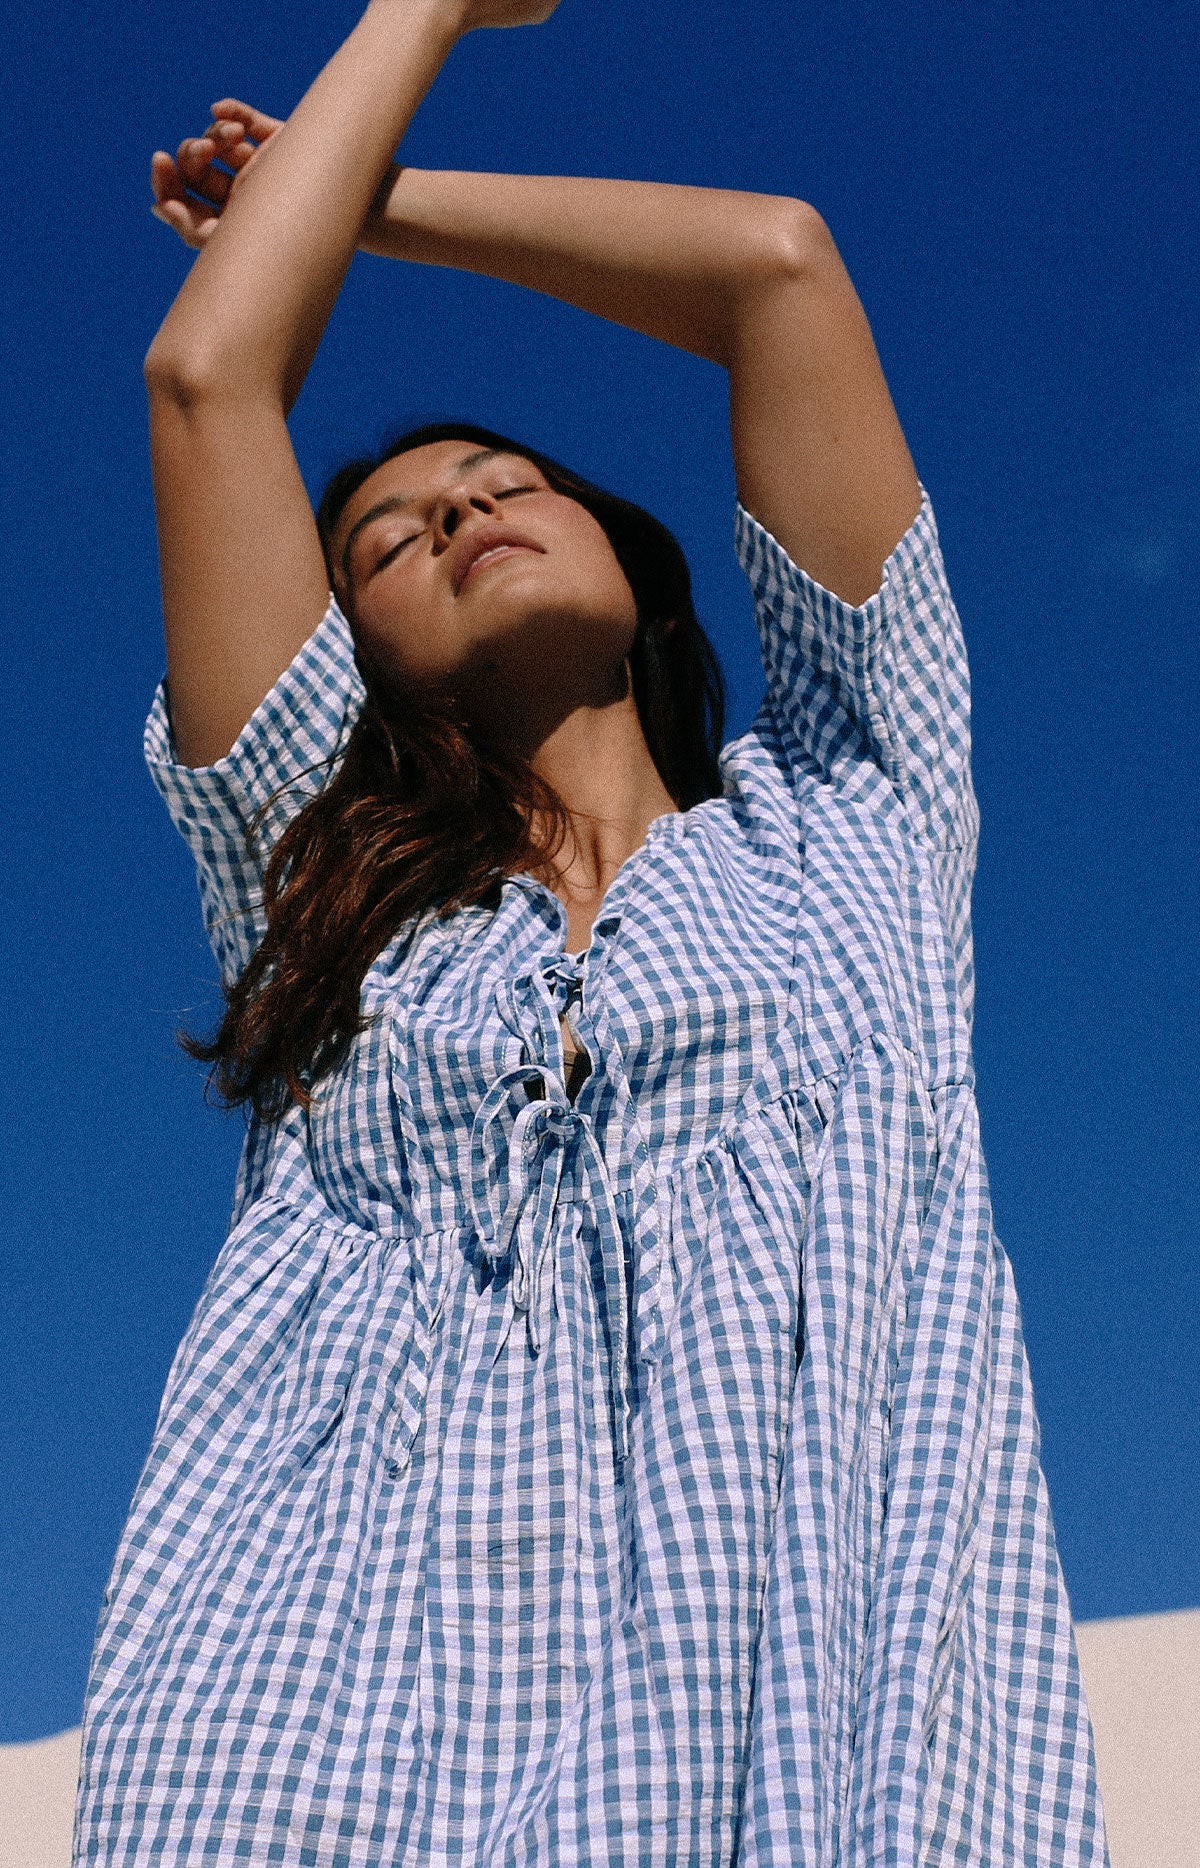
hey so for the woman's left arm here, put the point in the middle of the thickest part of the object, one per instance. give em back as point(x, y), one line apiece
point(752, 282)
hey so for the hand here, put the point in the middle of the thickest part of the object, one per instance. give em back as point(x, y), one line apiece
point(506, 13)
point(192, 188)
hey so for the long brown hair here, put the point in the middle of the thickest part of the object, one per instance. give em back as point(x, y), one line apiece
point(427, 811)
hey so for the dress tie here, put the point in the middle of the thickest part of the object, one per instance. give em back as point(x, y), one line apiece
point(517, 1173)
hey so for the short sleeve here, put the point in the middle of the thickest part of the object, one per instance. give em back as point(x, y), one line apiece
point(886, 681)
point(878, 689)
point(233, 813)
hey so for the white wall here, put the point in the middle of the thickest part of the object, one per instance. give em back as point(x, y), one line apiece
point(1142, 1676)
point(37, 1801)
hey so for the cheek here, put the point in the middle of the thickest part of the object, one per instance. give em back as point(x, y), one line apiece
point(409, 641)
point(613, 600)
point(595, 579)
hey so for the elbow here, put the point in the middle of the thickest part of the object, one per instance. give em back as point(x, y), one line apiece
point(178, 377)
point(797, 245)
point(187, 375)
point(776, 246)
point(787, 259)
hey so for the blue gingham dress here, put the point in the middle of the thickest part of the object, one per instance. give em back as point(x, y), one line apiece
point(649, 1479)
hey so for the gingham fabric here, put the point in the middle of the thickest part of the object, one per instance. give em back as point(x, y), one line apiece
point(649, 1479)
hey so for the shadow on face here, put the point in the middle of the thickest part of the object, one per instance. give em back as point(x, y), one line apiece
point(462, 570)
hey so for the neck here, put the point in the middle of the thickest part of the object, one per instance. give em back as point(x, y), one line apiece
point(596, 759)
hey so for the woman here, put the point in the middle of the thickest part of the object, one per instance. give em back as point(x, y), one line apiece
point(626, 1460)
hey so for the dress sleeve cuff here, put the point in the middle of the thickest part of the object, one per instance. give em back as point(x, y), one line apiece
point(287, 750)
point(816, 616)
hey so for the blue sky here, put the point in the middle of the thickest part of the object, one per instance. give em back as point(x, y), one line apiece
point(1010, 189)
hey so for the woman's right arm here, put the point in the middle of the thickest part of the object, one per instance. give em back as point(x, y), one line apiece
point(243, 576)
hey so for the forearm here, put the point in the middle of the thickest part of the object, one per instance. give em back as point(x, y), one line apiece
point(752, 282)
point(252, 311)
point(681, 264)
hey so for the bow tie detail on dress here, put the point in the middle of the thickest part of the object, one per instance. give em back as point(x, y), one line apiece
point(518, 1167)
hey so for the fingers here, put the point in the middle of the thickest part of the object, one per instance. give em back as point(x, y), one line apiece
point(201, 165)
point(194, 166)
point(166, 182)
point(255, 123)
point(189, 191)
point(165, 179)
point(192, 220)
point(192, 226)
point(510, 12)
point(199, 156)
point(192, 187)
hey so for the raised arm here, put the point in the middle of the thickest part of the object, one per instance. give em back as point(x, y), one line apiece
point(243, 577)
point(753, 282)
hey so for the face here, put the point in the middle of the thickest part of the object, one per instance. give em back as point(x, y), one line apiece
point(463, 568)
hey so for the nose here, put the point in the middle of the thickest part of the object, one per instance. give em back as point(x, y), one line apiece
point(453, 508)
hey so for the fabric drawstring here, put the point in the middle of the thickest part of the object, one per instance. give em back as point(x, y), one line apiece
point(517, 1173)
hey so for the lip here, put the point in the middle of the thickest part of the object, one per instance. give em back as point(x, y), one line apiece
point(479, 543)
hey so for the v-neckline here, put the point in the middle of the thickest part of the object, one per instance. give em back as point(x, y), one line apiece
point(605, 909)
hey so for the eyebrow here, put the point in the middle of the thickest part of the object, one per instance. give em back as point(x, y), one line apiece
point(396, 501)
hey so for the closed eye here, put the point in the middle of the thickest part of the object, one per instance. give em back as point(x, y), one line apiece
point(382, 563)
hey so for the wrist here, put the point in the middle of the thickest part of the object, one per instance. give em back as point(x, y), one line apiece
point(445, 19)
point(379, 231)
